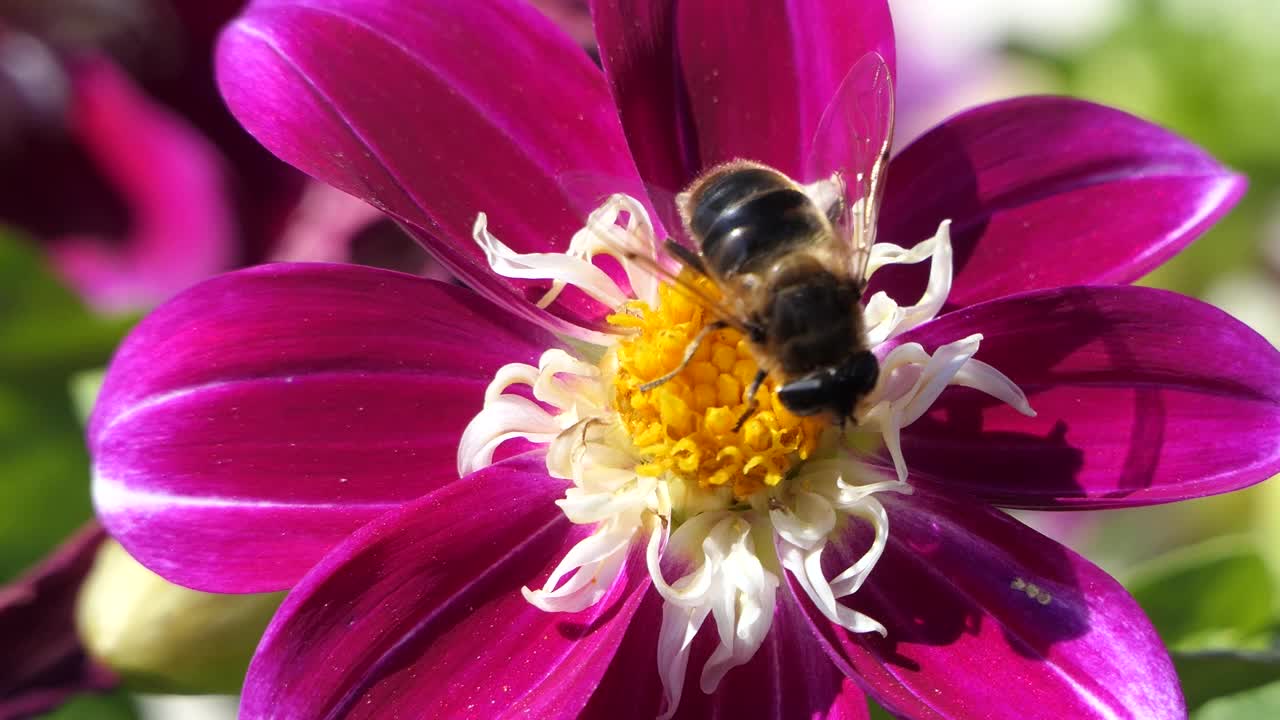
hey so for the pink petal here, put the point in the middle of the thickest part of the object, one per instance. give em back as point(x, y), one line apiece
point(419, 614)
point(789, 677)
point(45, 664)
point(181, 228)
point(1044, 192)
point(573, 16)
point(253, 422)
point(1143, 396)
point(702, 83)
point(988, 618)
point(477, 107)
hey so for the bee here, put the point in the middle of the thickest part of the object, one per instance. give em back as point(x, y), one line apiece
point(789, 260)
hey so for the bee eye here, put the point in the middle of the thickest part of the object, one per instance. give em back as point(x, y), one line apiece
point(859, 375)
point(808, 395)
point(834, 390)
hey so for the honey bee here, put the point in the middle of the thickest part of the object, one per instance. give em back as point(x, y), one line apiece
point(789, 260)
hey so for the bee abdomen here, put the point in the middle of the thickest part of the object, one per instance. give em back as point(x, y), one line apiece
point(743, 236)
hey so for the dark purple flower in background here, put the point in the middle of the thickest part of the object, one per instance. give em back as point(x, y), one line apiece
point(118, 154)
point(44, 662)
point(301, 425)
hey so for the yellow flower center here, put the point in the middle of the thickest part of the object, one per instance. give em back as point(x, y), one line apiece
point(685, 426)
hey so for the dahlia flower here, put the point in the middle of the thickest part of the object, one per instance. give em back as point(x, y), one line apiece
point(484, 506)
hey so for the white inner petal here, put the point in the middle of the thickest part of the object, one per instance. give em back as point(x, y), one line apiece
point(885, 319)
point(591, 567)
point(725, 580)
point(846, 490)
point(911, 381)
point(602, 235)
point(572, 387)
point(559, 267)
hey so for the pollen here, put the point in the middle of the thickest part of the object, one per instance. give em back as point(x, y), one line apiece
point(685, 426)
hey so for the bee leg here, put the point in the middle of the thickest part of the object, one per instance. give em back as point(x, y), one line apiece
point(684, 255)
point(752, 403)
point(688, 354)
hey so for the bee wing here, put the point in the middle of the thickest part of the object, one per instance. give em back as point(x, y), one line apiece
point(590, 190)
point(849, 156)
point(713, 302)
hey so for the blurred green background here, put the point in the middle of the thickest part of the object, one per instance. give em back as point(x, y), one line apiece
point(1206, 571)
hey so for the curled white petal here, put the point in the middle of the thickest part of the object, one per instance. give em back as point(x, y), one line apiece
point(679, 626)
point(683, 545)
point(805, 565)
point(571, 387)
point(568, 383)
point(586, 505)
point(602, 235)
point(883, 253)
point(884, 318)
point(911, 381)
point(725, 579)
point(850, 580)
point(984, 378)
point(506, 418)
point(807, 522)
point(591, 567)
point(561, 268)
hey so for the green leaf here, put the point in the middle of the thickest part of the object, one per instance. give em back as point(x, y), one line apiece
point(46, 337)
point(877, 712)
point(1262, 703)
point(113, 706)
point(1216, 595)
point(1210, 674)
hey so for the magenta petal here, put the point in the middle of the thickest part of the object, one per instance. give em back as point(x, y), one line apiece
point(988, 618)
point(254, 421)
point(789, 677)
point(420, 614)
point(181, 228)
point(1143, 396)
point(702, 83)
point(44, 663)
point(476, 107)
point(1044, 192)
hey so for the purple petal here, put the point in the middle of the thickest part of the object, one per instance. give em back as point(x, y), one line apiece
point(1143, 396)
point(181, 228)
point(1044, 192)
point(476, 107)
point(45, 664)
point(253, 422)
point(702, 83)
point(789, 677)
point(420, 614)
point(988, 618)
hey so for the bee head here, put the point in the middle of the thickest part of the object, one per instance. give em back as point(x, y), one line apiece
point(836, 390)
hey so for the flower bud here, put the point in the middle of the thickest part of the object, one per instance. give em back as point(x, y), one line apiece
point(160, 637)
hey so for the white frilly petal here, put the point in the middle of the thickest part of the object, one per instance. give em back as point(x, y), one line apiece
point(911, 381)
point(571, 387)
point(846, 488)
point(506, 418)
point(726, 580)
point(591, 567)
point(561, 268)
point(984, 378)
point(602, 235)
point(885, 319)
point(807, 523)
